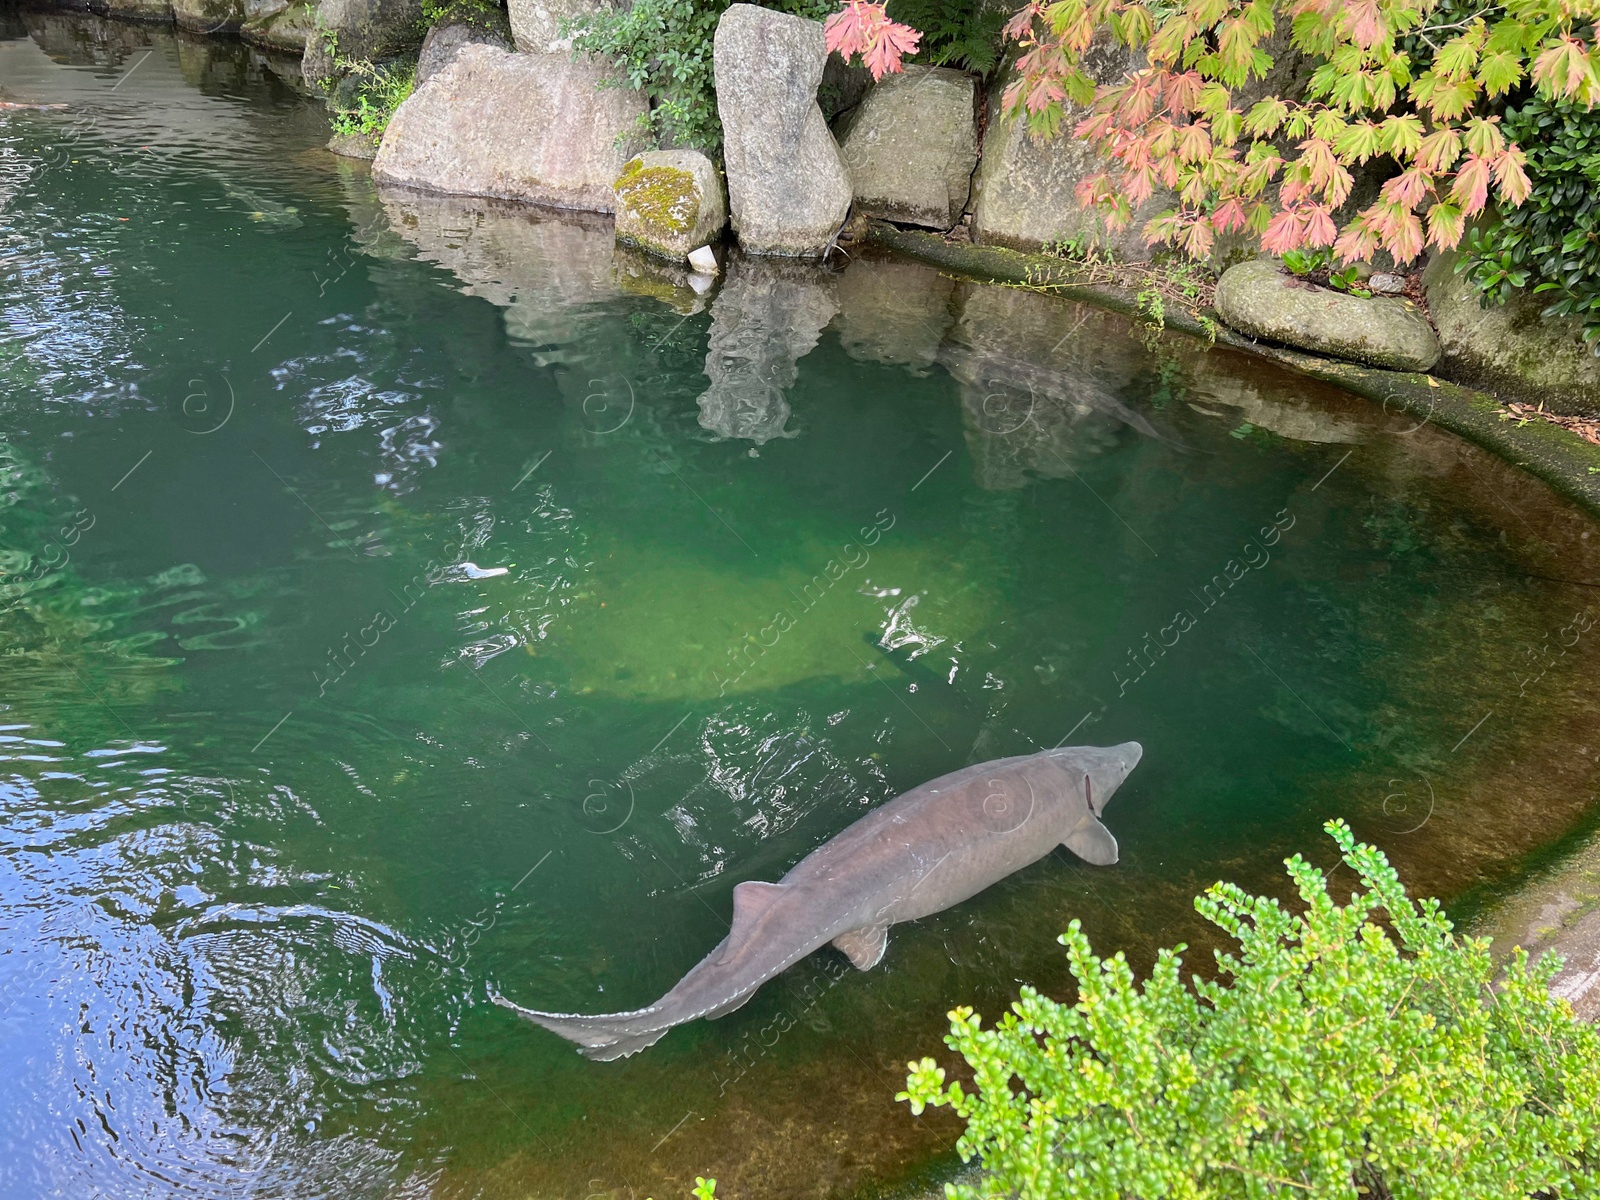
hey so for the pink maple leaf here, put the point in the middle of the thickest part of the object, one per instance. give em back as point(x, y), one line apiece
point(1284, 232)
point(1510, 179)
point(1471, 188)
point(863, 27)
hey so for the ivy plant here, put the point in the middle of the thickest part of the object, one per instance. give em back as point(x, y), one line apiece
point(1343, 1051)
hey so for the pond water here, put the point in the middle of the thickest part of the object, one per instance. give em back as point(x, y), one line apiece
point(406, 598)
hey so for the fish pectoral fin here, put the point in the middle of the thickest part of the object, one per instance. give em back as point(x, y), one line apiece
point(1092, 842)
point(864, 947)
point(750, 903)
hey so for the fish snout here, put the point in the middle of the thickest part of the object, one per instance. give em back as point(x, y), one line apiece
point(1131, 753)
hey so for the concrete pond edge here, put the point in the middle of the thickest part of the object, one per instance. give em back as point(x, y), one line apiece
point(1557, 456)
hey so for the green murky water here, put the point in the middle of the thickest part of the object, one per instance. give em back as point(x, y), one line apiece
point(405, 597)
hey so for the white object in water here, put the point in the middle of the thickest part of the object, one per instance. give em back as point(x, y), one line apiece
point(474, 571)
point(703, 260)
point(701, 283)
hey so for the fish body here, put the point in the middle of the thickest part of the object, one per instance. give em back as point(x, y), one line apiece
point(922, 852)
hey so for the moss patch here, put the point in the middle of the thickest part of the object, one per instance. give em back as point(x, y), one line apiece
point(665, 197)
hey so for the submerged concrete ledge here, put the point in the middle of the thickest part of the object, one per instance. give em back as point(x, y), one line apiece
point(1562, 459)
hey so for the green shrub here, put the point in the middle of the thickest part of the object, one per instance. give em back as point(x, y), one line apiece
point(488, 15)
point(1553, 240)
point(1357, 1050)
point(663, 47)
point(367, 97)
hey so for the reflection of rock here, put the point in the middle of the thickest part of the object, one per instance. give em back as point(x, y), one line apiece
point(1258, 299)
point(669, 202)
point(209, 16)
point(1272, 403)
point(787, 186)
point(893, 311)
point(536, 127)
point(83, 41)
point(911, 147)
point(549, 272)
point(641, 274)
point(1038, 383)
point(444, 42)
point(767, 317)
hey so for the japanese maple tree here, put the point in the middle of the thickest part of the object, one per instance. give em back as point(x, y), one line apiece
point(1280, 168)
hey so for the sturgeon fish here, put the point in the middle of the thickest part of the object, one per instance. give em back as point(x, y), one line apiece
point(935, 846)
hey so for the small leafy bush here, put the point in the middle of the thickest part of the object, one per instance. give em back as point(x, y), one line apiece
point(663, 47)
point(1553, 239)
point(1355, 1050)
point(368, 97)
point(483, 14)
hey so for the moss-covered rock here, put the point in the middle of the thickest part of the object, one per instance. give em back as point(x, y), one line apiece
point(1258, 299)
point(669, 202)
point(1511, 349)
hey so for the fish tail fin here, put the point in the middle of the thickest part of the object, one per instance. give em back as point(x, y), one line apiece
point(602, 1036)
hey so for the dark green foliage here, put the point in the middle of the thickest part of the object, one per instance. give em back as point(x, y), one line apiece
point(1553, 240)
point(663, 47)
point(955, 33)
point(368, 94)
point(488, 15)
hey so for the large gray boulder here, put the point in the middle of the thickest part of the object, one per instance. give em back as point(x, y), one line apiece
point(669, 202)
point(1023, 195)
point(767, 317)
point(531, 127)
point(911, 145)
point(1259, 299)
point(787, 186)
point(1510, 349)
point(444, 42)
point(359, 30)
point(279, 25)
point(536, 24)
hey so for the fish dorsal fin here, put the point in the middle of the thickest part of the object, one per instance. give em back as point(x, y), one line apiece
point(750, 903)
point(864, 947)
point(1092, 842)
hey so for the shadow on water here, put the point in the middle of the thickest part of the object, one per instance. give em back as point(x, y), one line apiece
point(405, 596)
